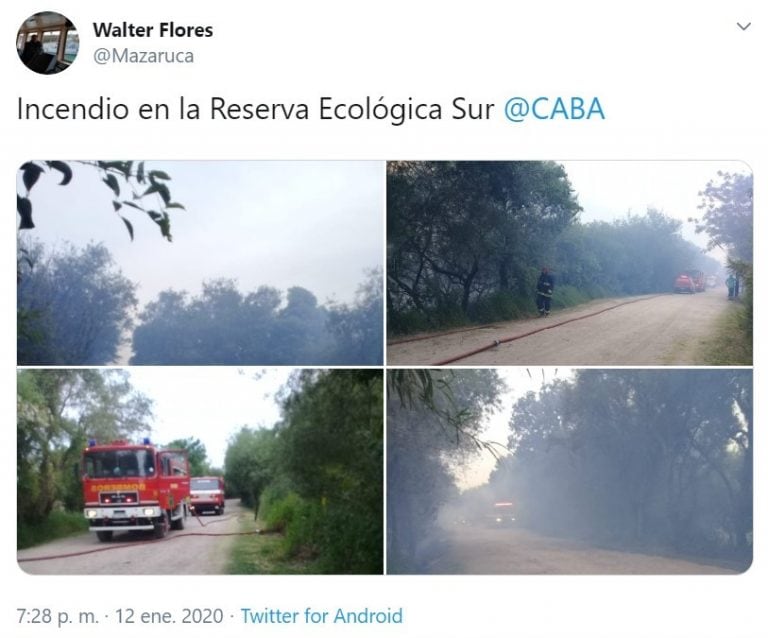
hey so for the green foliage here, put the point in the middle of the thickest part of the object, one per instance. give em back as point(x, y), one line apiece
point(631, 256)
point(318, 475)
point(499, 306)
point(639, 459)
point(727, 203)
point(250, 463)
point(226, 327)
point(434, 421)
point(357, 328)
point(57, 411)
point(74, 306)
point(467, 241)
point(566, 296)
point(458, 231)
point(133, 188)
point(58, 524)
point(196, 453)
point(265, 553)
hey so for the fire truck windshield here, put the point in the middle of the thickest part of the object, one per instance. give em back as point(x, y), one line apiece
point(119, 463)
point(205, 484)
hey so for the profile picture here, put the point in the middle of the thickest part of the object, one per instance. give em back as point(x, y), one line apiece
point(47, 43)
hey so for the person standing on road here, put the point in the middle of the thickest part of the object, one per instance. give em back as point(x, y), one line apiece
point(731, 284)
point(544, 289)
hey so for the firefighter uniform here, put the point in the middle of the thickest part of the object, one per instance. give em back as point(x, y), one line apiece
point(544, 290)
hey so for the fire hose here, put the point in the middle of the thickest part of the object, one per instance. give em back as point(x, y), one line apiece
point(498, 342)
point(146, 542)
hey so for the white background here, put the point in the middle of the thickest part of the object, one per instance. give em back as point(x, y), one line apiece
point(676, 81)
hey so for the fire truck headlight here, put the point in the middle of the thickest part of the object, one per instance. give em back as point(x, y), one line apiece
point(149, 511)
point(91, 513)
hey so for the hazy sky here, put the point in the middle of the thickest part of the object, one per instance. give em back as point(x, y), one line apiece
point(519, 381)
point(318, 225)
point(608, 190)
point(209, 403)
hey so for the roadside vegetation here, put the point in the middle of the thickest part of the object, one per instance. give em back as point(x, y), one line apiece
point(732, 343)
point(467, 241)
point(57, 411)
point(649, 461)
point(58, 524)
point(266, 553)
point(315, 479)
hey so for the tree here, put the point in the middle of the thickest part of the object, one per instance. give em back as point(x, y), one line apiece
point(58, 410)
point(637, 459)
point(330, 453)
point(250, 463)
point(434, 420)
point(357, 329)
point(196, 453)
point(74, 307)
point(727, 205)
point(227, 327)
point(728, 220)
point(132, 186)
point(459, 231)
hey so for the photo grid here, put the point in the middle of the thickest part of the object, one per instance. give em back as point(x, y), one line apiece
point(207, 351)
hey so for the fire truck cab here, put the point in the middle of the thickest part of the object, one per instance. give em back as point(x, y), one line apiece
point(131, 487)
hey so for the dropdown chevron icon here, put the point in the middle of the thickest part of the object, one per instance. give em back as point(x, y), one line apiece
point(744, 27)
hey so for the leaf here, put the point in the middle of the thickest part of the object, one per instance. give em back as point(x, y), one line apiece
point(158, 175)
point(31, 173)
point(165, 228)
point(111, 181)
point(129, 226)
point(64, 169)
point(24, 208)
point(175, 205)
point(132, 205)
point(117, 205)
point(156, 217)
point(164, 193)
point(140, 173)
point(123, 167)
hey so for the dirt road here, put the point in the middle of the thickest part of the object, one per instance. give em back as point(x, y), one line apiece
point(483, 550)
point(652, 330)
point(198, 549)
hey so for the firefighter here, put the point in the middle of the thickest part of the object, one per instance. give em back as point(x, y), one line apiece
point(544, 289)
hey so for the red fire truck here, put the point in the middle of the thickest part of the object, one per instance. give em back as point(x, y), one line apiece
point(207, 494)
point(129, 486)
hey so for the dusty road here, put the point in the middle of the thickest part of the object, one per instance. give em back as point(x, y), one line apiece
point(653, 330)
point(195, 550)
point(484, 550)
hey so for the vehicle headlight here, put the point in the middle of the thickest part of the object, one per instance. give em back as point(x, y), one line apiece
point(91, 513)
point(149, 511)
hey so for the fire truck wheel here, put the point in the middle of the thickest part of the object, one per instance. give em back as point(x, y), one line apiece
point(104, 537)
point(178, 523)
point(161, 529)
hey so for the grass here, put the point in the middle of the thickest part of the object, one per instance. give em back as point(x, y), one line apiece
point(500, 306)
point(265, 554)
point(731, 344)
point(57, 525)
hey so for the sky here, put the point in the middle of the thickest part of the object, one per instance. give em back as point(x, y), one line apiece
point(607, 190)
point(519, 381)
point(209, 403)
point(318, 225)
point(212, 403)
